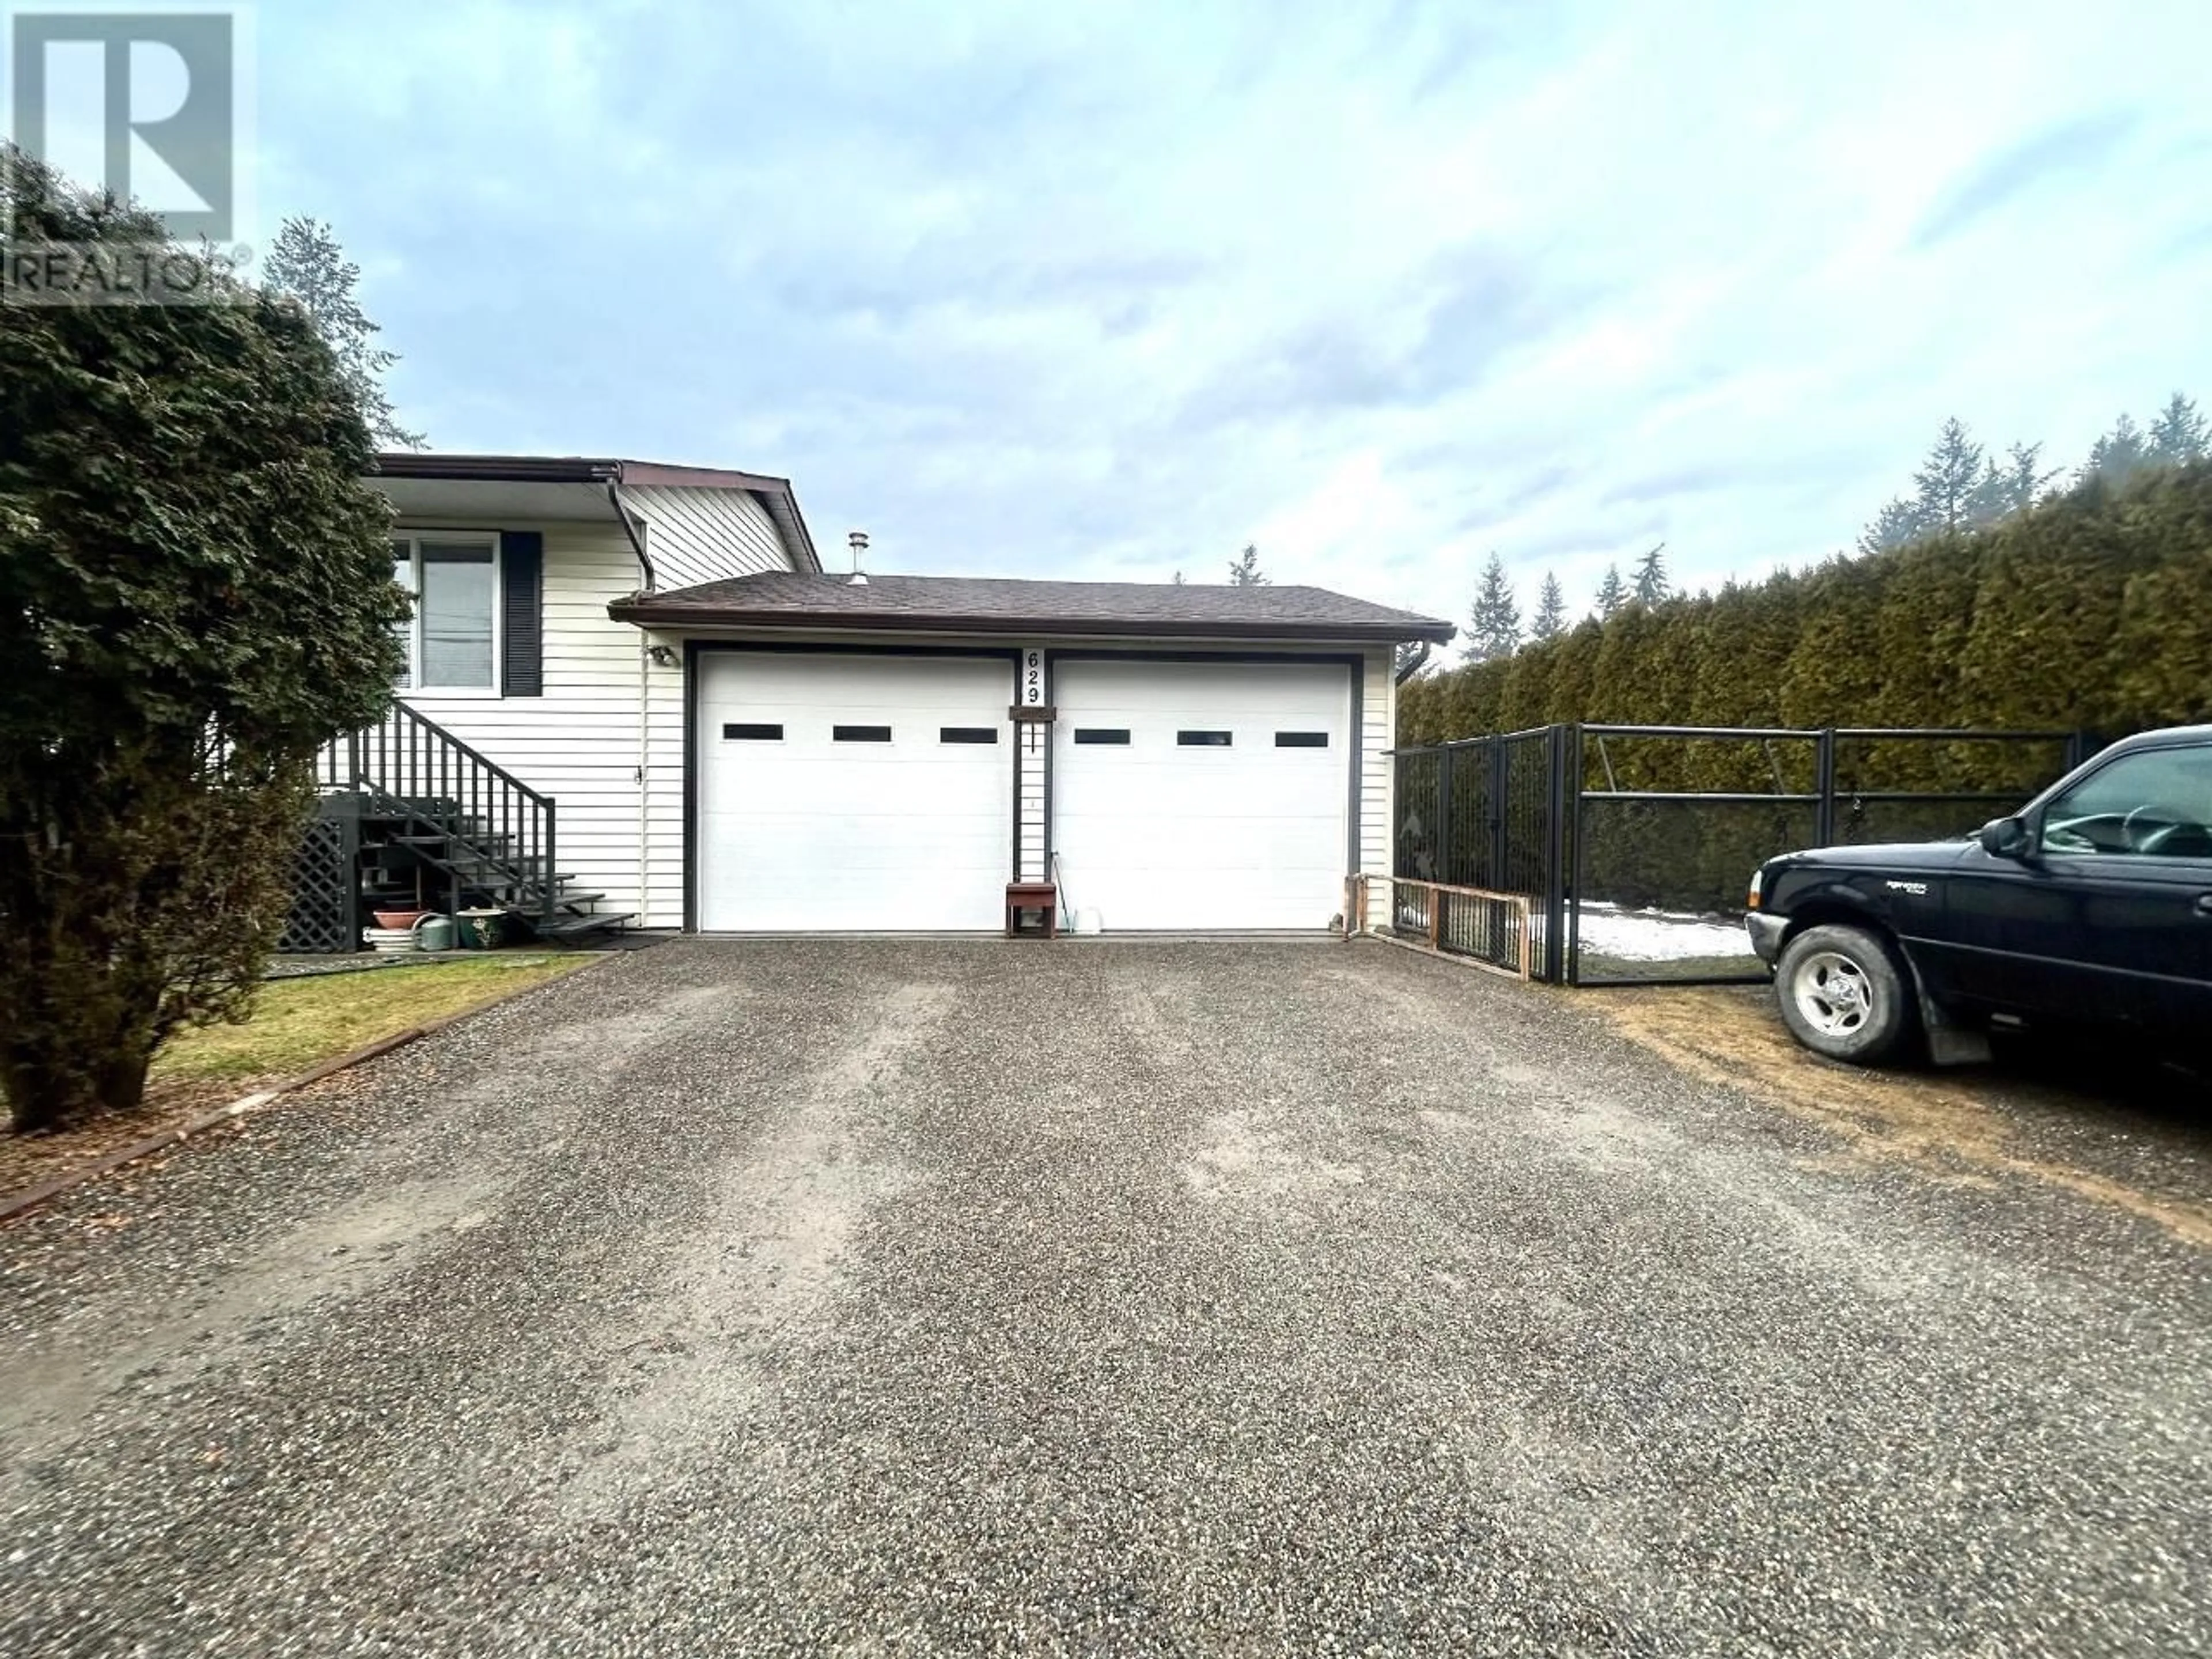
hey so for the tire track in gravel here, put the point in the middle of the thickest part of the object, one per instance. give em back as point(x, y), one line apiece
point(420, 1390)
point(748, 1291)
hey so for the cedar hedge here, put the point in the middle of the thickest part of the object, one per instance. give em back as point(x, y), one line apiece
point(2090, 612)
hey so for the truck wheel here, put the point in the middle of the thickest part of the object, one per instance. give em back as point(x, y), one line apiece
point(1844, 995)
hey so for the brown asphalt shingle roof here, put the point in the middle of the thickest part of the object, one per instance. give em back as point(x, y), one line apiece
point(992, 605)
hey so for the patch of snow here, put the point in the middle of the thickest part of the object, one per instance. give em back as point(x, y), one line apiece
point(1658, 935)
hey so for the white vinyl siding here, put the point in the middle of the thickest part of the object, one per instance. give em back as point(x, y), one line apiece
point(698, 535)
point(580, 741)
point(617, 778)
point(1379, 724)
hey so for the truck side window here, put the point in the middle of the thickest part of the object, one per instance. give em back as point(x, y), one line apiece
point(2155, 804)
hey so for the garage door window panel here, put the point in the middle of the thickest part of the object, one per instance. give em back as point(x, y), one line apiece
point(861, 734)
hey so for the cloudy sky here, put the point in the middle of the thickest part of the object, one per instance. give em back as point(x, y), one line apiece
point(1111, 290)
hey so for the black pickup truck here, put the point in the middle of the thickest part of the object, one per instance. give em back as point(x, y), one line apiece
point(2093, 905)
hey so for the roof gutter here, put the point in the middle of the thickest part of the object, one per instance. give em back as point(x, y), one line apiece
point(525, 469)
point(646, 613)
point(498, 469)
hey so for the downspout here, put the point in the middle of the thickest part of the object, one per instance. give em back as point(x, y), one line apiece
point(629, 529)
point(1413, 664)
point(644, 707)
point(644, 772)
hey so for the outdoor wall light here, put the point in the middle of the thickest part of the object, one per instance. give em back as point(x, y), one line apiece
point(663, 656)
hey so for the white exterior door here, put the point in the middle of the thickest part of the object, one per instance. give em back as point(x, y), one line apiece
point(1202, 795)
point(852, 793)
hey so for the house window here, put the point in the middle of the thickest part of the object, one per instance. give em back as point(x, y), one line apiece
point(1301, 739)
point(453, 640)
point(860, 734)
point(1202, 739)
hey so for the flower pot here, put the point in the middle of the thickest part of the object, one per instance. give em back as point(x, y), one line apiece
point(398, 920)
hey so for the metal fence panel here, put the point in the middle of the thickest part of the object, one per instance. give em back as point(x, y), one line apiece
point(1633, 845)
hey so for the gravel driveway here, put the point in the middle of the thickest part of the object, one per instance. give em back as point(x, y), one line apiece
point(944, 1297)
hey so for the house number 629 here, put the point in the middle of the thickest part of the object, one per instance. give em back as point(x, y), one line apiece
point(1033, 678)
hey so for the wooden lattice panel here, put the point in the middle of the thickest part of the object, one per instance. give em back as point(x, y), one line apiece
point(323, 918)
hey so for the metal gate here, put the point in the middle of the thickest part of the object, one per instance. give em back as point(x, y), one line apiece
point(1479, 866)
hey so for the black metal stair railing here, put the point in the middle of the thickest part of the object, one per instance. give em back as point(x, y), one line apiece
point(492, 831)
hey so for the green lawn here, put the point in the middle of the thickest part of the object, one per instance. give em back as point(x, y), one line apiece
point(298, 1022)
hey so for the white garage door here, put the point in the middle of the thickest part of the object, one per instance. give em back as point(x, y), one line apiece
point(853, 794)
point(1202, 795)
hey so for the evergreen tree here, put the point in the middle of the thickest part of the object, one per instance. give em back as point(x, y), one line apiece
point(1244, 571)
point(307, 262)
point(1620, 674)
point(199, 595)
point(1900, 521)
point(1494, 626)
point(1551, 618)
point(2119, 454)
point(2180, 434)
point(1756, 655)
point(1957, 486)
point(1612, 595)
point(1924, 607)
point(2039, 650)
point(1651, 585)
point(2018, 483)
point(1470, 700)
point(1952, 487)
point(1574, 664)
point(1524, 687)
point(1835, 670)
point(2161, 654)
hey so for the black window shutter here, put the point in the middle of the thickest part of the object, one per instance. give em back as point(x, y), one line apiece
point(522, 613)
